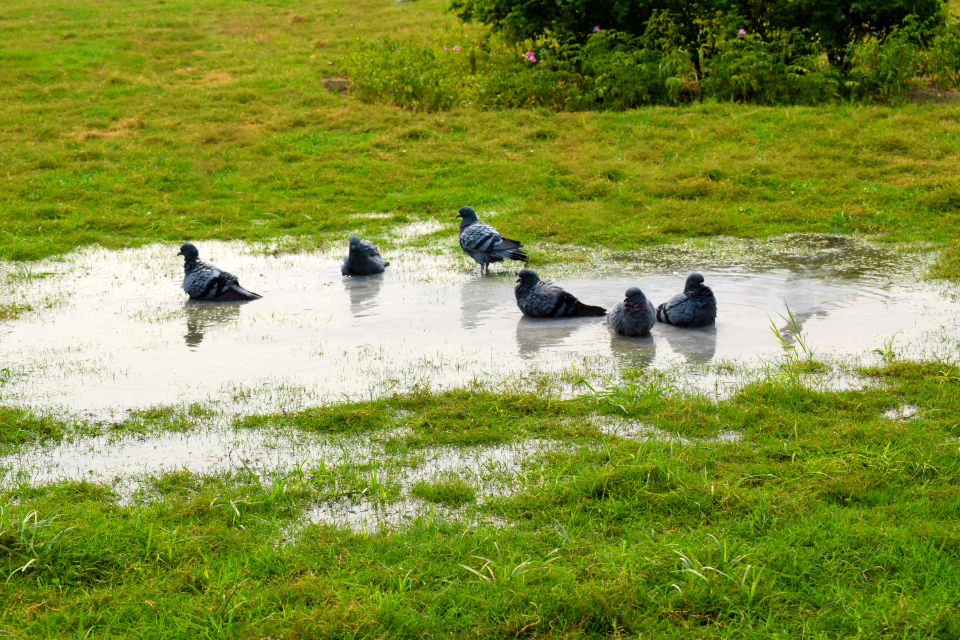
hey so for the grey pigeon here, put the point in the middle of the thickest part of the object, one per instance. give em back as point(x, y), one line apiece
point(635, 316)
point(543, 299)
point(364, 259)
point(695, 307)
point(203, 281)
point(484, 244)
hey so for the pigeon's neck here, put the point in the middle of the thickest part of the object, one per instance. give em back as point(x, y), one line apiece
point(700, 291)
point(466, 222)
point(524, 287)
point(189, 264)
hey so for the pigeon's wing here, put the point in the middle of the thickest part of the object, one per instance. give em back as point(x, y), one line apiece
point(554, 302)
point(615, 317)
point(678, 310)
point(360, 263)
point(705, 308)
point(374, 254)
point(370, 249)
point(207, 282)
point(483, 243)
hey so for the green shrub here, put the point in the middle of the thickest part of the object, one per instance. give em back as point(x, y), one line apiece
point(616, 70)
point(834, 24)
point(787, 70)
point(408, 74)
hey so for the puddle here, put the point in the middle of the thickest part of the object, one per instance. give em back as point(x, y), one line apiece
point(112, 331)
point(130, 465)
point(906, 412)
point(637, 430)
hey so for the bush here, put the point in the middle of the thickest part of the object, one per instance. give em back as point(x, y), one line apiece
point(618, 70)
point(834, 24)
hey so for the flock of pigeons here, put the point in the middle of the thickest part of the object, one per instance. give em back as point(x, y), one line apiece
point(696, 306)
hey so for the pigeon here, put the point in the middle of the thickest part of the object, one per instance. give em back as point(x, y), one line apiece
point(364, 259)
point(695, 307)
point(484, 244)
point(203, 281)
point(635, 316)
point(543, 299)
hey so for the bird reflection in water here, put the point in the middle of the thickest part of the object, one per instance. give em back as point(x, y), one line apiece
point(635, 352)
point(696, 345)
point(534, 334)
point(482, 297)
point(363, 291)
point(202, 315)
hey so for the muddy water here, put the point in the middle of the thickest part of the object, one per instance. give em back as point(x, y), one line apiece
point(112, 331)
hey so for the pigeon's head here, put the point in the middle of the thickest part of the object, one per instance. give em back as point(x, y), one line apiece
point(467, 214)
point(634, 295)
point(527, 278)
point(188, 251)
point(694, 282)
point(354, 242)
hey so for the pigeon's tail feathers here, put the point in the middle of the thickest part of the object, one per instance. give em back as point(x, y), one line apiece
point(512, 253)
point(587, 311)
point(662, 313)
point(236, 292)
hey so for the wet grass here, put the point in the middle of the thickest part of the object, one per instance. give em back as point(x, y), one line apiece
point(212, 121)
point(826, 520)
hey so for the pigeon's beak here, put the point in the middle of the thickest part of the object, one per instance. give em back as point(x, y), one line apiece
point(179, 253)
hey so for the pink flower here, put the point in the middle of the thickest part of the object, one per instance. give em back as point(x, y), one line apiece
point(444, 48)
point(741, 33)
point(530, 57)
point(456, 47)
point(596, 29)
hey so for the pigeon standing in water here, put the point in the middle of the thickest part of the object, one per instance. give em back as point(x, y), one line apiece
point(695, 307)
point(484, 244)
point(635, 316)
point(543, 299)
point(364, 259)
point(203, 281)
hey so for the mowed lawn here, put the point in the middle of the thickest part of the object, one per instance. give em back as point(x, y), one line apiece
point(138, 121)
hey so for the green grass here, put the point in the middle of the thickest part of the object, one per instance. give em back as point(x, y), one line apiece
point(827, 520)
point(133, 122)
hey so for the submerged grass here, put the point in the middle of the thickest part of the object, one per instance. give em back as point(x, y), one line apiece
point(827, 519)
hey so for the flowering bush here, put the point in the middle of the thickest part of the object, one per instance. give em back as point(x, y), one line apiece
point(617, 70)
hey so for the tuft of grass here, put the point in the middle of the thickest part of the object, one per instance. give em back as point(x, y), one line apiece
point(12, 310)
point(452, 492)
point(18, 427)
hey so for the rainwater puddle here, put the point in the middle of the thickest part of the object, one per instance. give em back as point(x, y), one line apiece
point(113, 332)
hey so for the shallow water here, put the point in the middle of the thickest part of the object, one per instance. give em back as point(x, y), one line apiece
point(112, 331)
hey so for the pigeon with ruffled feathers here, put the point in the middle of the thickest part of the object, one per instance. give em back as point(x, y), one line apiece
point(484, 244)
point(634, 316)
point(363, 259)
point(203, 281)
point(543, 299)
point(695, 307)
